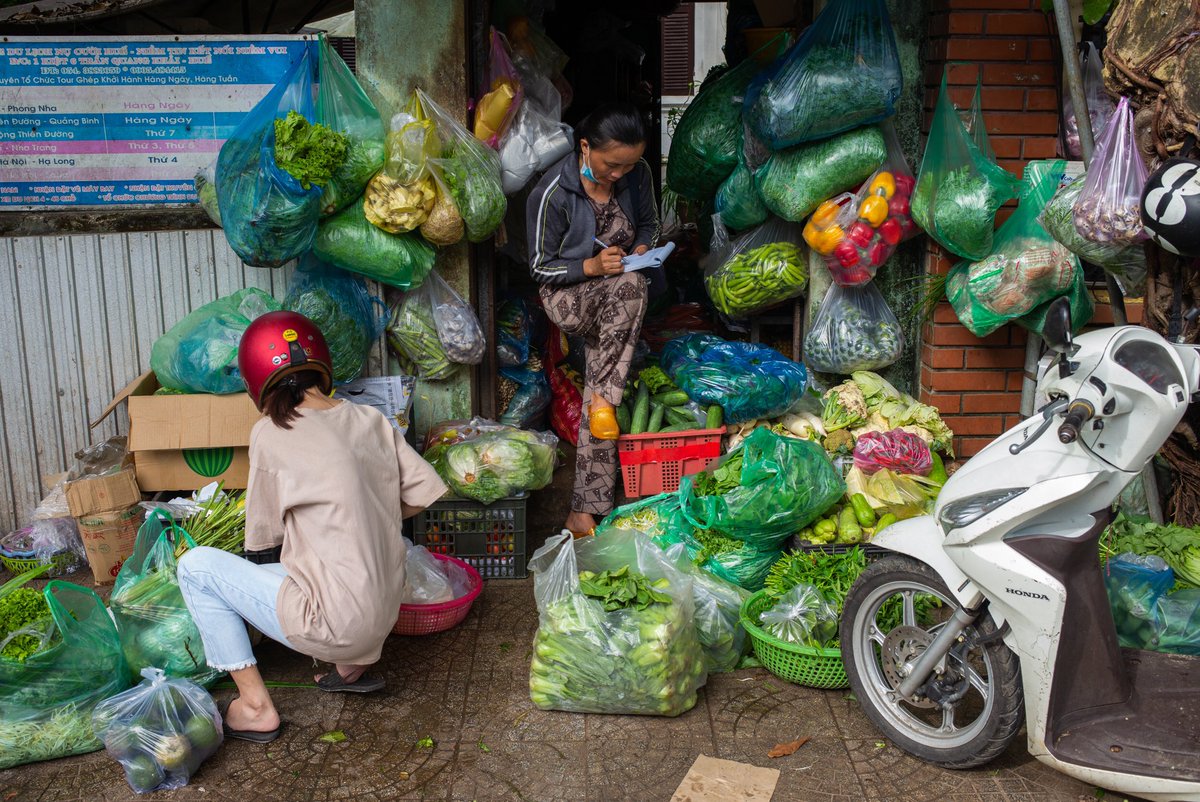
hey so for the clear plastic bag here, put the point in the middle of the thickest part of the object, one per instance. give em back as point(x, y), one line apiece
point(513, 332)
point(718, 605)
point(497, 109)
point(412, 143)
point(896, 450)
point(530, 402)
point(1027, 267)
point(738, 202)
point(345, 312)
point(1100, 105)
point(425, 582)
point(858, 232)
point(155, 625)
point(343, 106)
point(445, 225)
point(458, 326)
point(199, 353)
point(959, 189)
point(843, 72)
point(625, 660)
point(160, 731)
point(497, 464)
point(1109, 206)
point(1126, 262)
point(46, 700)
point(802, 616)
point(349, 241)
point(268, 216)
point(759, 269)
point(747, 381)
point(436, 330)
point(854, 329)
point(534, 142)
point(44, 539)
point(793, 182)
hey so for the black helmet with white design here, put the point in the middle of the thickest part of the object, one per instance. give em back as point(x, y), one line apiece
point(1171, 205)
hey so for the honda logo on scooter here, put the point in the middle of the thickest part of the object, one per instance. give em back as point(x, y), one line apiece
point(1027, 594)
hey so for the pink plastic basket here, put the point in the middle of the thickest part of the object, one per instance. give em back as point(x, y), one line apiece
point(654, 463)
point(426, 619)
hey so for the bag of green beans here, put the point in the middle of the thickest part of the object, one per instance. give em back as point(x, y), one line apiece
point(759, 269)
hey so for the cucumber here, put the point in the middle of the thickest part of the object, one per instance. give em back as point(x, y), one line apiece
point(656, 417)
point(716, 417)
point(641, 410)
point(679, 427)
point(671, 398)
point(862, 510)
point(623, 417)
point(679, 415)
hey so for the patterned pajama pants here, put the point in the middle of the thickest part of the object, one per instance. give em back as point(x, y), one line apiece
point(607, 313)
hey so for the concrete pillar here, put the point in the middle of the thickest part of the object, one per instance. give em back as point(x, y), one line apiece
point(400, 46)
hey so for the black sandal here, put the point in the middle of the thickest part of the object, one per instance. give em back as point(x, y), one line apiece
point(334, 682)
point(253, 736)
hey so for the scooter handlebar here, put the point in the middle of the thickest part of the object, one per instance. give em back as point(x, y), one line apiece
point(1077, 414)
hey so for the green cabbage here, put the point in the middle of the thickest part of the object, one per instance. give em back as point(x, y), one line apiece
point(496, 465)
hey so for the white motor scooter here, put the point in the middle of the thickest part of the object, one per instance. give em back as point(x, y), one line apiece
point(993, 610)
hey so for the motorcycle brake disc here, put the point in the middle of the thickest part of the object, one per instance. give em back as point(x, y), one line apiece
point(902, 646)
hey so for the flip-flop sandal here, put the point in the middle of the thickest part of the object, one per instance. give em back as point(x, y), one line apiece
point(253, 736)
point(333, 682)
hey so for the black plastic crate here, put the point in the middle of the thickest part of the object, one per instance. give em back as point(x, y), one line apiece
point(490, 537)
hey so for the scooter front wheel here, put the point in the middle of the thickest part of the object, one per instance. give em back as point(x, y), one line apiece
point(964, 717)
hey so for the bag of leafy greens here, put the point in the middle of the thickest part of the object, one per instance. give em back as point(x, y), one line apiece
point(345, 312)
point(343, 106)
point(959, 189)
point(52, 678)
point(199, 353)
point(854, 329)
point(436, 330)
point(793, 182)
point(759, 269)
point(718, 604)
point(764, 491)
point(271, 172)
point(748, 381)
point(155, 624)
point(842, 73)
point(1125, 261)
point(498, 464)
point(206, 188)
point(616, 630)
point(737, 201)
point(348, 240)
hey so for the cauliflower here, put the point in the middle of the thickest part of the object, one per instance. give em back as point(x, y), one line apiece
point(844, 407)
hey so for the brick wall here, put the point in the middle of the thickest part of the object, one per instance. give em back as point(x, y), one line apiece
point(976, 383)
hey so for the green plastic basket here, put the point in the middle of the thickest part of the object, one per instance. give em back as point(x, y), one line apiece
point(803, 665)
point(61, 564)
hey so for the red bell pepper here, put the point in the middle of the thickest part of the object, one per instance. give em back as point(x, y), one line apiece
point(860, 234)
point(846, 254)
point(899, 206)
point(891, 231)
point(905, 184)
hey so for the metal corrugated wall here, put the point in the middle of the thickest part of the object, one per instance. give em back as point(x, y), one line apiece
point(78, 316)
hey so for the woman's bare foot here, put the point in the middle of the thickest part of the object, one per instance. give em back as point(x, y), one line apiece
point(580, 522)
point(245, 717)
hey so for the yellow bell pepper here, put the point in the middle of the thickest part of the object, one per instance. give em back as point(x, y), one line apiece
point(825, 214)
point(883, 185)
point(874, 210)
point(827, 240)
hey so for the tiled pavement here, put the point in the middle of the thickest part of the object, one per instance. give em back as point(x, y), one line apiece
point(467, 690)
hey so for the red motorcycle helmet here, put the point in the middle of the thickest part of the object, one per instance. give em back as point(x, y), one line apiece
point(278, 344)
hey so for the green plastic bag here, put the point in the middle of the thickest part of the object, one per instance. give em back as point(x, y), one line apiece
point(654, 516)
point(738, 202)
point(343, 106)
point(783, 485)
point(46, 701)
point(1083, 308)
point(349, 241)
point(340, 305)
point(1026, 269)
point(1147, 614)
point(199, 353)
point(1126, 262)
point(959, 189)
point(793, 182)
point(155, 625)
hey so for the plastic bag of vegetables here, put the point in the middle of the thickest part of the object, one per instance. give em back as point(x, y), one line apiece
point(1099, 104)
point(471, 172)
point(155, 625)
point(199, 353)
point(686, 348)
point(737, 202)
point(747, 381)
point(348, 240)
point(718, 604)
point(616, 631)
point(48, 687)
point(858, 232)
point(759, 269)
point(343, 106)
point(348, 316)
point(843, 72)
point(160, 731)
point(1136, 585)
point(436, 330)
point(763, 492)
point(1127, 262)
point(896, 450)
point(1026, 269)
point(206, 188)
point(959, 189)
point(802, 616)
point(498, 464)
point(271, 170)
point(854, 329)
point(1108, 208)
point(793, 182)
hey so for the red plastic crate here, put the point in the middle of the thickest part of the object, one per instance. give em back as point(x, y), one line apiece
point(654, 463)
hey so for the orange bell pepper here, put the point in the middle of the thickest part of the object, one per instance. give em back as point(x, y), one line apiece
point(825, 214)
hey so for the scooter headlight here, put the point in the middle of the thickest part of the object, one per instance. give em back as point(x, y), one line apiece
point(967, 511)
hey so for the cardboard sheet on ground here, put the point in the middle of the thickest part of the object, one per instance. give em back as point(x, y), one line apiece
point(651, 258)
point(711, 779)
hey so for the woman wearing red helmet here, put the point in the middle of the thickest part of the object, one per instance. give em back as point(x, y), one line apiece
point(330, 482)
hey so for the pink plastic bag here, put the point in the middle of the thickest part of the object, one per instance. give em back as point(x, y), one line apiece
point(1109, 207)
point(897, 450)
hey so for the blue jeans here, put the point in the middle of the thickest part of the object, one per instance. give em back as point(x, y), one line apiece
point(223, 592)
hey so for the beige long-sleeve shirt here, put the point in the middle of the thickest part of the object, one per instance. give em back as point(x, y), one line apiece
point(333, 490)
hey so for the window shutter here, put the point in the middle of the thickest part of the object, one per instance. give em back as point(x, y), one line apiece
point(678, 34)
point(344, 46)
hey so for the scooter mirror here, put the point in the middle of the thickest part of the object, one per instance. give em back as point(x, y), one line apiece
point(1057, 331)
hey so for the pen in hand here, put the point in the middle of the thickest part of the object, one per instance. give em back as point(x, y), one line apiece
point(598, 242)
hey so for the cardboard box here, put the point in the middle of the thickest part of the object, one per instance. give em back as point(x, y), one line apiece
point(115, 491)
point(183, 442)
point(108, 539)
